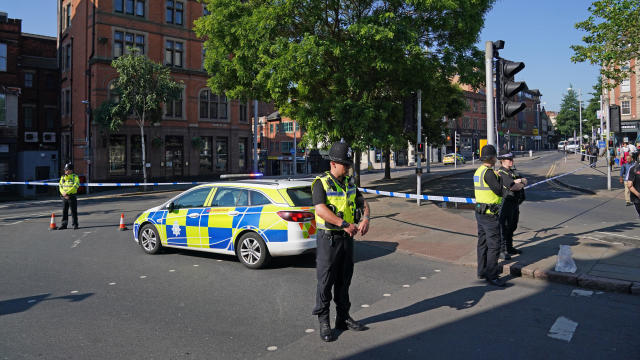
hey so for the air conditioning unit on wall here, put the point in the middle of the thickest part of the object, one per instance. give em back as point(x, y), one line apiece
point(49, 137)
point(30, 136)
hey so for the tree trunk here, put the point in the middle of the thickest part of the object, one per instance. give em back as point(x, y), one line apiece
point(356, 167)
point(387, 164)
point(144, 153)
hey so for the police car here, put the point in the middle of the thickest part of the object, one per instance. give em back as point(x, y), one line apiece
point(252, 219)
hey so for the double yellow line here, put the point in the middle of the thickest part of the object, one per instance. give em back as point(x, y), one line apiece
point(552, 170)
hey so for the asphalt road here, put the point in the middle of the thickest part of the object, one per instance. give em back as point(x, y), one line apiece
point(93, 294)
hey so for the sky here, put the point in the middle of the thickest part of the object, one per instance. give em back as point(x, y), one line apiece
point(538, 33)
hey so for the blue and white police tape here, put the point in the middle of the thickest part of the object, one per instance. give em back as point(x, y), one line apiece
point(558, 176)
point(101, 184)
point(421, 197)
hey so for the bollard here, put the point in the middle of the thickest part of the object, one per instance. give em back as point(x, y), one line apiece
point(530, 153)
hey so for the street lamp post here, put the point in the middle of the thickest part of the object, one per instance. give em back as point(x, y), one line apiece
point(579, 116)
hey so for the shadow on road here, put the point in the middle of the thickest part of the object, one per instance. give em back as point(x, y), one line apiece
point(19, 305)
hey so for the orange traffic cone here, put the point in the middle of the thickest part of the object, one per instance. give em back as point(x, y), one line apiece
point(52, 225)
point(123, 227)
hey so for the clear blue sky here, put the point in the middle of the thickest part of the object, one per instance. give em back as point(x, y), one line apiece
point(536, 32)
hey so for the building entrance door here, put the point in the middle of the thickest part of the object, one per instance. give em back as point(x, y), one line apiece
point(173, 156)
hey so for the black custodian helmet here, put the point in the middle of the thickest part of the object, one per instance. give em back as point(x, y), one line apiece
point(488, 151)
point(68, 166)
point(340, 152)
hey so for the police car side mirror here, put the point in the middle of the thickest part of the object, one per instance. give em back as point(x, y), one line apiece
point(171, 206)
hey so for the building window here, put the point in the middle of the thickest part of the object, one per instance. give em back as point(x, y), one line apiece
point(66, 110)
point(286, 146)
point(212, 106)
point(626, 107)
point(117, 154)
point(222, 153)
point(206, 154)
point(625, 86)
point(243, 112)
point(68, 16)
point(118, 6)
point(129, 4)
point(205, 11)
point(67, 57)
point(173, 109)
point(3, 57)
point(28, 80)
point(287, 127)
point(114, 94)
point(50, 118)
point(136, 153)
point(27, 117)
point(270, 128)
point(242, 153)
point(173, 53)
point(122, 41)
point(51, 82)
point(175, 12)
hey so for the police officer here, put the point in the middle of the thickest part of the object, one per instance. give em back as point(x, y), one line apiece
point(511, 200)
point(69, 184)
point(488, 192)
point(337, 202)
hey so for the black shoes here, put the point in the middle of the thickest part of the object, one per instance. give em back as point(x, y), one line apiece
point(496, 282)
point(75, 227)
point(629, 204)
point(514, 251)
point(325, 329)
point(349, 324)
point(504, 256)
point(63, 227)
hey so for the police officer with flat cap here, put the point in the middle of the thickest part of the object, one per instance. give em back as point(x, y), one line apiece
point(488, 193)
point(337, 204)
point(511, 200)
point(69, 184)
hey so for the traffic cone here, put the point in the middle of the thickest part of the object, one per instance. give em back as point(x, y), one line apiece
point(123, 227)
point(52, 225)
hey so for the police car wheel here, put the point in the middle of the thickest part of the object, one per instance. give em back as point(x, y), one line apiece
point(149, 239)
point(252, 251)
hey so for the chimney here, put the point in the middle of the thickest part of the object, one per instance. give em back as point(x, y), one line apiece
point(3, 17)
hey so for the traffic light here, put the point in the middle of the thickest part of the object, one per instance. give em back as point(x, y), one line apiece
point(508, 88)
point(458, 138)
point(420, 147)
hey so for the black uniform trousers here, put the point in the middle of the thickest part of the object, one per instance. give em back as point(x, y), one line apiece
point(334, 269)
point(488, 245)
point(509, 216)
point(71, 202)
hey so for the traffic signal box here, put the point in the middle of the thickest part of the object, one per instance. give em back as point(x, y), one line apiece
point(508, 89)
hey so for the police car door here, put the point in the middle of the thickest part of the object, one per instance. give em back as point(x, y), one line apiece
point(224, 215)
point(183, 223)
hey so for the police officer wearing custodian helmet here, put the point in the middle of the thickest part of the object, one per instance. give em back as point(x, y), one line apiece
point(337, 204)
point(69, 184)
point(488, 192)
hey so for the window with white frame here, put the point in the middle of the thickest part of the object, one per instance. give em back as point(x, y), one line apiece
point(175, 12)
point(626, 107)
point(173, 109)
point(625, 86)
point(173, 53)
point(287, 127)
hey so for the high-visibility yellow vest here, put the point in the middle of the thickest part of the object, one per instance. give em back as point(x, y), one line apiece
point(69, 184)
point(343, 199)
point(483, 193)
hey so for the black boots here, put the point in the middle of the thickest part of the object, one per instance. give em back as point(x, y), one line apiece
point(349, 324)
point(325, 328)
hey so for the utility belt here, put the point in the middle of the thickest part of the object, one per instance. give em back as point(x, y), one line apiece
point(333, 236)
point(488, 209)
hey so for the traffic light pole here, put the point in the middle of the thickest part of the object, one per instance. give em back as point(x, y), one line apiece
point(418, 155)
point(606, 106)
point(488, 67)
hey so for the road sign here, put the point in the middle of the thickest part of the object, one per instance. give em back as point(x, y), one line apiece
point(292, 151)
point(601, 144)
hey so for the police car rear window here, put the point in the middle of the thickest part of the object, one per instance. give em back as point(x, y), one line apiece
point(301, 196)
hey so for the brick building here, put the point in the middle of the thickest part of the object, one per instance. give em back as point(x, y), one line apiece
point(29, 98)
point(201, 135)
point(276, 139)
point(627, 97)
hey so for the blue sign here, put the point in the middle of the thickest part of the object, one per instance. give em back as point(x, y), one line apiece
point(601, 144)
point(292, 151)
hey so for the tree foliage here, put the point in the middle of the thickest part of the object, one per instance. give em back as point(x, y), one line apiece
point(342, 68)
point(568, 117)
point(142, 87)
point(590, 114)
point(612, 40)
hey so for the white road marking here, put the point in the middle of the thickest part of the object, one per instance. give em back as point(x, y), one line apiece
point(309, 331)
point(74, 291)
point(272, 348)
point(437, 270)
point(406, 285)
point(31, 301)
point(423, 278)
point(143, 276)
point(386, 294)
point(219, 260)
point(112, 283)
point(622, 236)
point(76, 243)
point(196, 265)
point(578, 292)
point(172, 270)
point(562, 329)
point(364, 305)
point(600, 292)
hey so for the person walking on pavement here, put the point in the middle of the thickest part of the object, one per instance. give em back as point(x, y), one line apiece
point(337, 203)
point(488, 193)
point(624, 173)
point(594, 154)
point(69, 184)
point(633, 184)
point(511, 200)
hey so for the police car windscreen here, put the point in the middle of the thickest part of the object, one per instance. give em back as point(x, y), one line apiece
point(301, 196)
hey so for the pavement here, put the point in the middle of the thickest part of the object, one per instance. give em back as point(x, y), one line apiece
point(432, 231)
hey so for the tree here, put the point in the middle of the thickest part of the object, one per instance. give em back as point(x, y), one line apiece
point(590, 114)
point(568, 117)
point(612, 40)
point(143, 86)
point(343, 68)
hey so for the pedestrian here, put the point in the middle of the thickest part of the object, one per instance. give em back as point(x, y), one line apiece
point(488, 193)
point(69, 184)
point(633, 184)
point(511, 200)
point(624, 173)
point(337, 203)
point(594, 154)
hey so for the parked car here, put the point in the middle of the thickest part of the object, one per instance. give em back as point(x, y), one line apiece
point(252, 219)
point(449, 159)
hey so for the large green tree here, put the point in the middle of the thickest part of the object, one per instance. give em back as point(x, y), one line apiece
point(612, 39)
point(143, 86)
point(590, 114)
point(568, 116)
point(343, 68)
